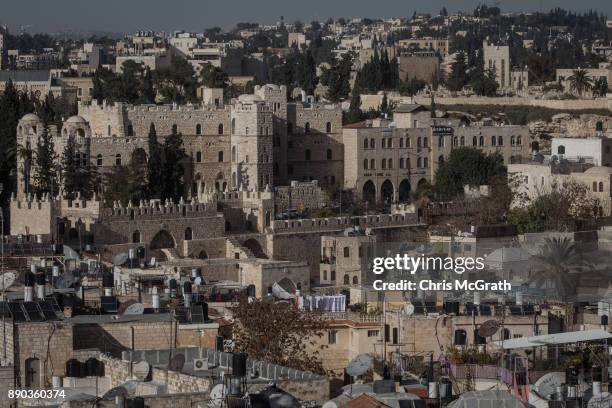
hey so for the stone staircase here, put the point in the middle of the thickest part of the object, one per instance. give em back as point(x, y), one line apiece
point(234, 246)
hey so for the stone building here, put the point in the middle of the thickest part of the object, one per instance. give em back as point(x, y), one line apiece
point(424, 66)
point(439, 45)
point(497, 58)
point(394, 160)
point(344, 259)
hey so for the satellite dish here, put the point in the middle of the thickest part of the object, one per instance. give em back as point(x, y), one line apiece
point(330, 404)
point(408, 309)
point(70, 253)
point(603, 400)
point(64, 282)
point(134, 309)
point(198, 281)
point(548, 383)
point(488, 328)
point(218, 394)
point(141, 370)
point(279, 292)
point(111, 394)
point(7, 279)
point(177, 362)
point(120, 259)
point(359, 365)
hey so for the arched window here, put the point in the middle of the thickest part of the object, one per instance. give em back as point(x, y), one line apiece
point(384, 143)
point(401, 142)
point(372, 164)
point(383, 164)
point(220, 129)
point(198, 157)
point(601, 188)
point(108, 129)
point(500, 141)
point(347, 280)
point(365, 143)
point(481, 141)
point(493, 140)
point(188, 234)
point(401, 163)
point(307, 154)
point(198, 129)
point(130, 130)
point(307, 127)
point(474, 141)
point(372, 144)
point(365, 164)
point(511, 140)
point(455, 141)
point(328, 127)
point(233, 125)
point(355, 280)
point(390, 143)
point(220, 156)
point(419, 142)
point(118, 160)
point(234, 154)
point(561, 149)
point(425, 142)
point(99, 160)
point(419, 163)
point(390, 163)
point(462, 141)
point(425, 162)
point(440, 159)
point(594, 186)
point(440, 141)
point(329, 154)
point(174, 129)
point(136, 237)
point(519, 140)
point(346, 252)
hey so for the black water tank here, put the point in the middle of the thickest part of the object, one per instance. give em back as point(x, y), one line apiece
point(29, 279)
point(107, 280)
point(187, 287)
point(239, 364)
point(571, 375)
point(219, 343)
point(460, 337)
point(73, 368)
point(40, 278)
point(451, 308)
point(205, 311)
point(604, 320)
point(383, 386)
point(91, 367)
point(173, 285)
point(140, 252)
point(136, 402)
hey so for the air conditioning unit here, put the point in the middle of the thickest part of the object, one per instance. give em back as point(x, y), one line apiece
point(200, 364)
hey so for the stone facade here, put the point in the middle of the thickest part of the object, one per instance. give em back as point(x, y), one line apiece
point(497, 58)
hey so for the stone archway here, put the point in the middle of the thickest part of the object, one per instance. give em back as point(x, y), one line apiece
point(369, 192)
point(255, 247)
point(288, 285)
point(203, 254)
point(404, 191)
point(386, 192)
point(162, 240)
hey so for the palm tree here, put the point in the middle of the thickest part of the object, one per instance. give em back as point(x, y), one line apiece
point(580, 81)
point(561, 262)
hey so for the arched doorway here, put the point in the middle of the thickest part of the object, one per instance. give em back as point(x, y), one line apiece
point(369, 192)
point(32, 373)
point(386, 192)
point(535, 147)
point(139, 157)
point(203, 254)
point(404, 191)
point(163, 239)
point(255, 248)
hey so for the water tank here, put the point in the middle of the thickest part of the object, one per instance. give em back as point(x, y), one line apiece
point(451, 308)
point(446, 388)
point(107, 280)
point(30, 278)
point(73, 368)
point(383, 386)
point(239, 364)
point(138, 402)
point(91, 367)
point(40, 278)
point(173, 285)
point(187, 287)
point(604, 320)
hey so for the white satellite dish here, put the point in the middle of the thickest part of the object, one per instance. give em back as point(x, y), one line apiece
point(7, 279)
point(120, 259)
point(217, 395)
point(279, 292)
point(134, 309)
point(359, 365)
point(70, 253)
point(408, 309)
point(548, 383)
point(330, 404)
point(198, 281)
point(141, 369)
point(603, 400)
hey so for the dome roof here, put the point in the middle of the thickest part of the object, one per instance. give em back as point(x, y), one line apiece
point(599, 171)
point(30, 117)
point(76, 119)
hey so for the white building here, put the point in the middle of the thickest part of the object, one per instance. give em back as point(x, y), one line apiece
point(595, 150)
point(497, 58)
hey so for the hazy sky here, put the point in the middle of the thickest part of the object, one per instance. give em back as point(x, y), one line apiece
point(168, 15)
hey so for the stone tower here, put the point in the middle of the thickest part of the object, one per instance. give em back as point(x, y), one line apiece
point(251, 143)
point(497, 58)
point(276, 98)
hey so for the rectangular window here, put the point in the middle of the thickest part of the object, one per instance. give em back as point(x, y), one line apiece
point(373, 333)
point(331, 336)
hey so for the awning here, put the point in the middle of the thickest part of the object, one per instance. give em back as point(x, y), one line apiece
point(557, 338)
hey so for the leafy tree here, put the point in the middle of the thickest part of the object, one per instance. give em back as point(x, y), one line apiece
point(146, 93)
point(173, 170)
point(177, 83)
point(77, 177)
point(411, 87)
point(308, 80)
point(580, 81)
point(483, 83)
point(278, 333)
point(337, 79)
point(458, 77)
point(154, 165)
point(561, 263)
point(116, 187)
point(45, 176)
point(466, 166)
point(213, 77)
point(9, 117)
point(600, 87)
point(354, 113)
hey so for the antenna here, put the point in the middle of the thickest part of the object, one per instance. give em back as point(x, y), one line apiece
point(134, 309)
point(141, 369)
point(359, 365)
point(488, 328)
